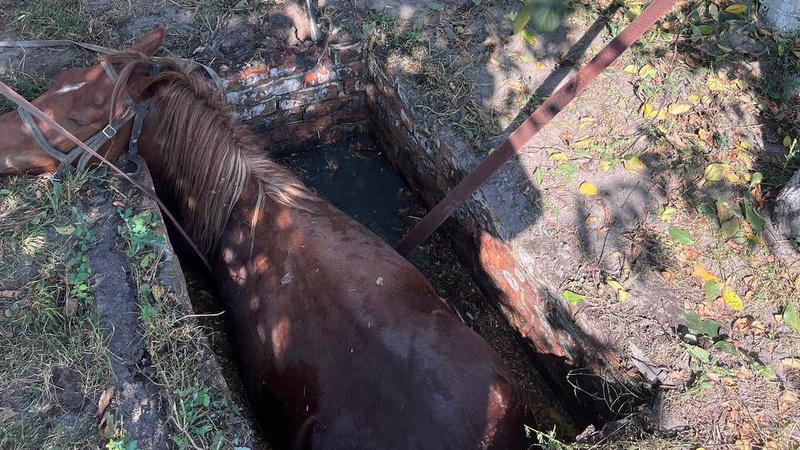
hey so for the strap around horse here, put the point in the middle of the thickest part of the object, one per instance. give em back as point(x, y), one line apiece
point(134, 110)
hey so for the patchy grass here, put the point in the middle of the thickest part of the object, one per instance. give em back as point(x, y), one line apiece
point(197, 409)
point(54, 359)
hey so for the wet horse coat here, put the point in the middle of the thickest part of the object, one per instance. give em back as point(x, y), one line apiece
point(342, 343)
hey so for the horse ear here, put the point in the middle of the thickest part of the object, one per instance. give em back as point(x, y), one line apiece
point(149, 43)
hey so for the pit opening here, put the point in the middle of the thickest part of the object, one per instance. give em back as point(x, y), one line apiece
point(344, 124)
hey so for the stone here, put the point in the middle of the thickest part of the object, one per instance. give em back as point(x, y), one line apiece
point(787, 209)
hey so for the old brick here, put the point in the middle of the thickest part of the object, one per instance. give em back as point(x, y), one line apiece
point(352, 85)
point(348, 53)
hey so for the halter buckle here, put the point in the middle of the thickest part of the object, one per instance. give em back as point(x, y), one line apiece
point(109, 131)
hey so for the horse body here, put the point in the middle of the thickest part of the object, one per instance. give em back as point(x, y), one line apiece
point(342, 343)
point(348, 343)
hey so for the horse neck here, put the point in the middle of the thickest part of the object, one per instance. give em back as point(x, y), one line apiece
point(202, 191)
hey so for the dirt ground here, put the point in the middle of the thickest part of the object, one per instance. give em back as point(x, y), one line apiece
point(646, 203)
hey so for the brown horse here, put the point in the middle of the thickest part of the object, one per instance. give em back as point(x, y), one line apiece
point(342, 343)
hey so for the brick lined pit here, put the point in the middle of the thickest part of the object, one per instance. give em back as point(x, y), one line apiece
point(346, 92)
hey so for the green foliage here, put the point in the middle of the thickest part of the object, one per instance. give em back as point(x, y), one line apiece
point(193, 409)
point(114, 444)
point(546, 439)
point(139, 232)
point(790, 317)
point(680, 236)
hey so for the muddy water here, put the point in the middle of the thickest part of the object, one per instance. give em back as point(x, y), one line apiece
point(353, 175)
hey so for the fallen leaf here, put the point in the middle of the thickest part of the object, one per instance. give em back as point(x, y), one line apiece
point(737, 8)
point(65, 230)
point(668, 213)
point(790, 317)
point(584, 142)
point(678, 108)
point(9, 294)
point(587, 189)
point(630, 68)
point(558, 156)
point(633, 164)
point(105, 400)
point(7, 413)
point(573, 298)
point(703, 273)
point(648, 111)
point(647, 71)
point(791, 363)
point(585, 122)
point(715, 172)
point(70, 307)
point(715, 83)
point(680, 236)
point(516, 85)
point(712, 289)
point(786, 401)
point(732, 300)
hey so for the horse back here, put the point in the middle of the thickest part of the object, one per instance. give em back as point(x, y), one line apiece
point(346, 345)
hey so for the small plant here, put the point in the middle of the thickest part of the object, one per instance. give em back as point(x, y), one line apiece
point(193, 409)
point(114, 444)
point(139, 232)
point(546, 439)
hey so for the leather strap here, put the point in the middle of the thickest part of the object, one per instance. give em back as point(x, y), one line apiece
point(541, 117)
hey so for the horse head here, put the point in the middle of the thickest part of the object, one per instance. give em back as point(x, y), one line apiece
point(82, 101)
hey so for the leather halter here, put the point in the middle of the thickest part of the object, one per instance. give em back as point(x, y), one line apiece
point(136, 111)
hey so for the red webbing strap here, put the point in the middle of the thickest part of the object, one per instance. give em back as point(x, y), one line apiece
point(541, 117)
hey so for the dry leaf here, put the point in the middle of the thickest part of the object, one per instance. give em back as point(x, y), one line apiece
point(105, 400)
point(732, 300)
point(7, 413)
point(678, 108)
point(786, 401)
point(703, 273)
point(9, 294)
point(587, 189)
point(791, 363)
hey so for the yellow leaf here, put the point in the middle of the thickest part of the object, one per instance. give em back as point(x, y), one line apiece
point(558, 156)
point(678, 108)
point(732, 178)
point(584, 142)
point(633, 164)
point(631, 69)
point(787, 141)
point(587, 121)
point(703, 273)
point(516, 85)
point(715, 83)
point(694, 98)
point(732, 300)
point(737, 8)
point(587, 189)
point(605, 166)
point(715, 172)
point(648, 111)
point(623, 295)
point(647, 71)
point(668, 213)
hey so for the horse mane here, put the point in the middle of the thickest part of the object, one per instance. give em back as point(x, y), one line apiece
point(212, 157)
